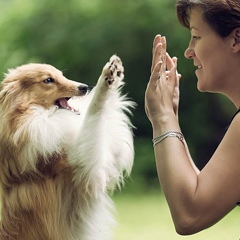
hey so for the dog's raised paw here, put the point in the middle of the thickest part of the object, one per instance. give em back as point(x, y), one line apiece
point(113, 72)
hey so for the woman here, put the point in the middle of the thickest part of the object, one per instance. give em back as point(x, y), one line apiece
point(198, 199)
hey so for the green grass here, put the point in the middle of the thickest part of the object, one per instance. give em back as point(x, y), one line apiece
point(146, 217)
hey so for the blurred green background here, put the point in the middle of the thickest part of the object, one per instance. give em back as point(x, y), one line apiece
point(78, 37)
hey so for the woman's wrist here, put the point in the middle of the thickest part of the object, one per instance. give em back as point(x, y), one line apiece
point(165, 123)
point(168, 134)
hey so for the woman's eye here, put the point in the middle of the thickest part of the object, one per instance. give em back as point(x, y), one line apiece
point(195, 37)
point(49, 80)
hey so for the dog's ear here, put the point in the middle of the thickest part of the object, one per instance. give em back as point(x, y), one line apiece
point(26, 82)
point(1, 88)
point(3, 92)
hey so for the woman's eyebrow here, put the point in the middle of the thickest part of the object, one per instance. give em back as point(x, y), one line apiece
point(194, 28)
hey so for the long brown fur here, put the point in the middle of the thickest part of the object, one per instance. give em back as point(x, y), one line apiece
point(46, 195)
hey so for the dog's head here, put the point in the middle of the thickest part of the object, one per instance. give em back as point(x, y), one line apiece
point(40, 84)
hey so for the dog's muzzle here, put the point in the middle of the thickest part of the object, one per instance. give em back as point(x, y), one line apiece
point(83, 89)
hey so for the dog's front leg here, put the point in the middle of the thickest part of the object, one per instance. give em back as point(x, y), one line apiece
point(108, 83)
point(91, 153)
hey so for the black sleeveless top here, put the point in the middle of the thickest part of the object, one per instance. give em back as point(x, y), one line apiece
point(234, 116)
point(238, 203)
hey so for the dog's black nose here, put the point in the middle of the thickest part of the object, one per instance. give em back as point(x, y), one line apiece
point(83, 88)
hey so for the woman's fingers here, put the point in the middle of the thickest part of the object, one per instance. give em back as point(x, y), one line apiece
point(160, 54)
point(155, 74)
point(163, 57)
point(178, 75)
point(169, 61)
point(159, 51)
point(156, 41)
point(156, 51)
point(163, 66)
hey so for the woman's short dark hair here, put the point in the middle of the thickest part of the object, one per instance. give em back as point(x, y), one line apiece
point(222, 15)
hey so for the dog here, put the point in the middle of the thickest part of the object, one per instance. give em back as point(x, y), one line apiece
point(63, 149)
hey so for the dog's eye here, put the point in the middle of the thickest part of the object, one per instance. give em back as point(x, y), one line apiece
point(49, 80)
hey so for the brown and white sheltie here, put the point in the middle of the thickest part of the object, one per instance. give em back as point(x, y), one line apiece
point(62, 148)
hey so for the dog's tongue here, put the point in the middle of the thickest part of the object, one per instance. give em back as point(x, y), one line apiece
point(64, 104)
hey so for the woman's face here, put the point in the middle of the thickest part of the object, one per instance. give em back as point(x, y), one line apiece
point(211, 54)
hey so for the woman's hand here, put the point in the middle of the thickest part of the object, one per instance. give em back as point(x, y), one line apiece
point(162, 94)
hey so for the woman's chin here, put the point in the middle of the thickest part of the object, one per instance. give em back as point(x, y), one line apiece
point(200, 87)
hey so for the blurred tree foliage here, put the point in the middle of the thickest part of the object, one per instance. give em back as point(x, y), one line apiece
point(79, 36)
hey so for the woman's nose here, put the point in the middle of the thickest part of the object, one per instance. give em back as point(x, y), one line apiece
point(189, 53)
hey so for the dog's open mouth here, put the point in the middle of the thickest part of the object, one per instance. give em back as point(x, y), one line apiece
point(63, 103)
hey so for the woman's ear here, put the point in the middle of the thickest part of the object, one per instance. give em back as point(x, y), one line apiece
point(236, 40)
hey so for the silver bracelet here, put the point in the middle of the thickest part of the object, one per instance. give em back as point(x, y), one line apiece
point(159, 139)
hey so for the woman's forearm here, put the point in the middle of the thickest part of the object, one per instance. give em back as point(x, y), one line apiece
point(178, 174)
